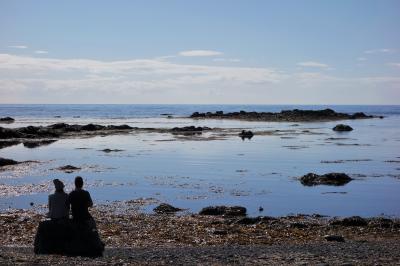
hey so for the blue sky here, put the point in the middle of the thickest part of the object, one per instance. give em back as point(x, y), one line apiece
point(272, 52)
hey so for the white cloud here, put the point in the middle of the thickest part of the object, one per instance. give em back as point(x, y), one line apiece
point(312, 64)
point(18, 46)
point(361, 59)
point(25, 79)
point(382, 50)
point(233, 60)
point(41, 52)
point(200, 53)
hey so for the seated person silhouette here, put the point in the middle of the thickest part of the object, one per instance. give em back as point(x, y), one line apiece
point(80, 201)
point(58, 203)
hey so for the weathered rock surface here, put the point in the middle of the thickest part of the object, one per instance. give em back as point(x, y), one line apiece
point(333, 179)
point(67, 238)
point(295, 115)
point(224, 210)
point(56, 130)
point(342, 127)
point(6, 119)
point(4, 162)
point(166, 208)
point(350, 221)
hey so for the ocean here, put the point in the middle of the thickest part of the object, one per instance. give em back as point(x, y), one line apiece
point(192, 173)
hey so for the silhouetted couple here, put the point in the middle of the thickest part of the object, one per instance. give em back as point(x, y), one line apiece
point(79, 200)
point(61, 235)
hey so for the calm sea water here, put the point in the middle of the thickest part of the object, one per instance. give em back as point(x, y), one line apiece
point(193, 174)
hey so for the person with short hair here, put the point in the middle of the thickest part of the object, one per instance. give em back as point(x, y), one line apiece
point(80, 201)
point(58, 202)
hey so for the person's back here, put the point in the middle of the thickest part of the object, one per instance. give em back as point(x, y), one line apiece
point(80, 201)
point(58, 202)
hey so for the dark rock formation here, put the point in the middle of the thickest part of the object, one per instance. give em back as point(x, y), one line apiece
point(246, 134)
point(166, 208)
point(335, 238)
point(4, 162)
point(350, 221)
point(111, 150)
point(342, 127)
point(8, 143)
point(333, 179)
point(67, 238)
point(6, 119)
point(37, 143)
point(224, 210)
point(285, 115)
point(68, 168)
point(189, 129)
point(56, 130)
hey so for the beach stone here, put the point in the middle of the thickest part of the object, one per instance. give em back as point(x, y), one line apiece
point(333, 179)
point(4, 162)
point(166, 208)
point(342, 127)
point(67, 238)
point(6, 119)
point(246, 134)
point(350, 221)
point(224, 210)
point(335, 238)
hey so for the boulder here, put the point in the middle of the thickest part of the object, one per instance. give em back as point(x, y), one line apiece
point(224, 210)
point(246, 134)
point(342, 127)
point(335, 238)
point(4, 162)
point(333, 179)
point(166, 208)
point(68, 238)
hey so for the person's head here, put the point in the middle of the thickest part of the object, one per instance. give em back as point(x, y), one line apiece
point(59, 186)
point(78, 182)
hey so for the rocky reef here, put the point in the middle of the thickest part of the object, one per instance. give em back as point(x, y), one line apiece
point(295, 115)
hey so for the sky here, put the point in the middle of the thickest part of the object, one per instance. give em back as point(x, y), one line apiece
point(200, 52)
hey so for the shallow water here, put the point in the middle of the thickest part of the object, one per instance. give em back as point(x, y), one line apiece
point(195, 173)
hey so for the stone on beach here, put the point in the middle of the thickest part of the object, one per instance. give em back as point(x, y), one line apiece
point(166, 208)
point(342, 127)
point(224, 210)
point(333, 179)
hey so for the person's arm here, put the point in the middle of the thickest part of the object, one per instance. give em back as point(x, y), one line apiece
point(90, 202)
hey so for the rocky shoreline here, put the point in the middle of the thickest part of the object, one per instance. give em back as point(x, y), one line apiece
point(295, 115)
point(130, 236)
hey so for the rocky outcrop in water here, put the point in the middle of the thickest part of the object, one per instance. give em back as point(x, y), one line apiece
point(246, 134)
point(342, 127)
point(4, 162)
point(224, 210)
point(6, 119)
point(295, 115)
point(57, 130)
point(332, 179)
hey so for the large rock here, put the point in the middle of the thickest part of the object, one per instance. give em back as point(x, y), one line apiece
point(342, 127)
point(68, 238)
point(166, 208)
point(4, 162)
point(333, 179)
point(246, 134)
point(224, 210)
